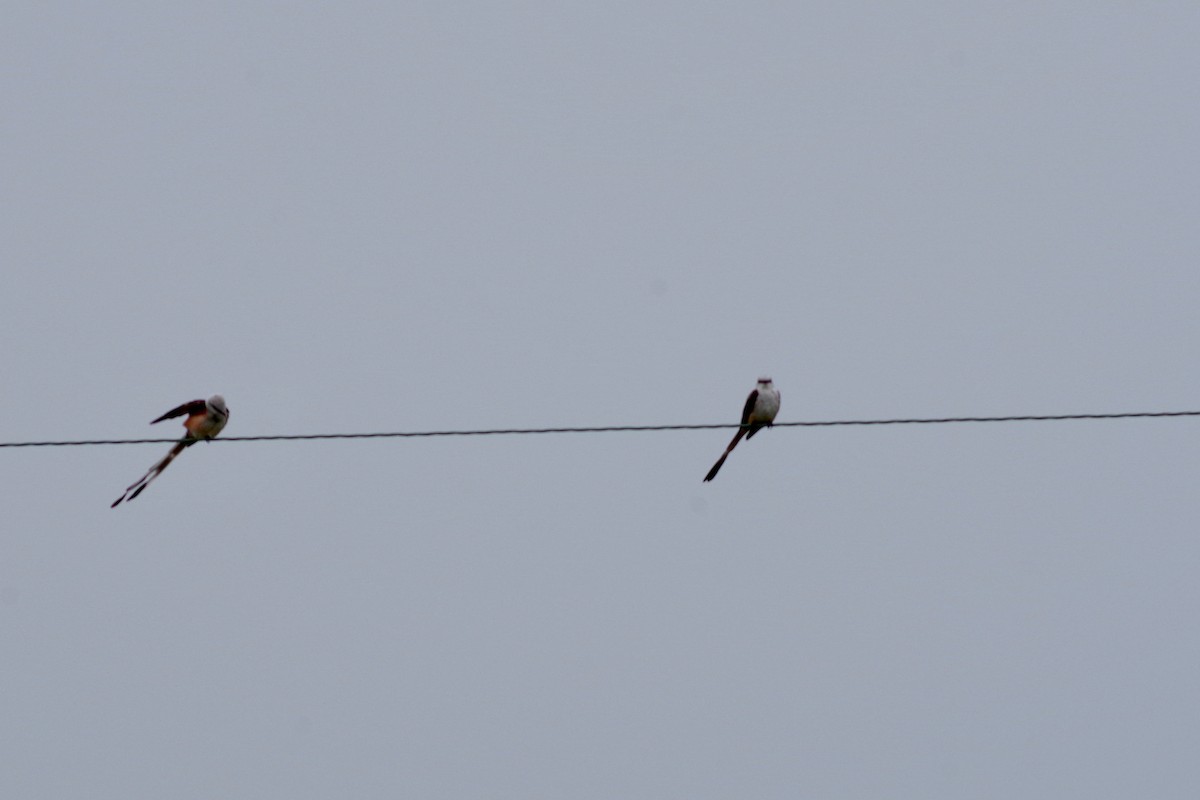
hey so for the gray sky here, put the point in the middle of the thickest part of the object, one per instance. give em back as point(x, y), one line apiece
point(361, 217)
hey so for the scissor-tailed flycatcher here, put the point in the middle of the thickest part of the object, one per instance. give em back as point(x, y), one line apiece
point(205, 419)
point(761, 407)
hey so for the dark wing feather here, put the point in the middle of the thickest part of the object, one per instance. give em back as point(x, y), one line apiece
point(750, 401)
point(194, 407)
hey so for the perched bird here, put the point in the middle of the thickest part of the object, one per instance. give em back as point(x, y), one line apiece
point(761, 407)
point(205, 419)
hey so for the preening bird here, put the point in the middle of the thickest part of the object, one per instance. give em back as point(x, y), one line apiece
point(761, 407)
point(205, 419)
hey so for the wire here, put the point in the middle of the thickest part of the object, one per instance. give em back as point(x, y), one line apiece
point(617, 428)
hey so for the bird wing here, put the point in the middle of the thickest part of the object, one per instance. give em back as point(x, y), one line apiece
point(749, 409)
point(193, 407)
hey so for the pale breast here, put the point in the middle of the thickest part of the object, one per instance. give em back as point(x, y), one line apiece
point(765, 407)
point(204, 426)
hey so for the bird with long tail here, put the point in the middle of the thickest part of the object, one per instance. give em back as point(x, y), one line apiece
point(205, 419)
point(759, 412)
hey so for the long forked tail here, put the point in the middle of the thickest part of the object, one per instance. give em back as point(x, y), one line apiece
point(737, 437)
point(139, 486)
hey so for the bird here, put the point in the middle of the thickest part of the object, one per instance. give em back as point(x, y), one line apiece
point(761, 407)
point(205, 419)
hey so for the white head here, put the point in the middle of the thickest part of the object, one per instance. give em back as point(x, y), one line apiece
point(217, 404)
point(764, 381)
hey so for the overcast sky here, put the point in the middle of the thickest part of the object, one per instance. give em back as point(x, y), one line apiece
point(361, 217)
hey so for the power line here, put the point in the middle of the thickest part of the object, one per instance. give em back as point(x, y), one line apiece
point(618, 429)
